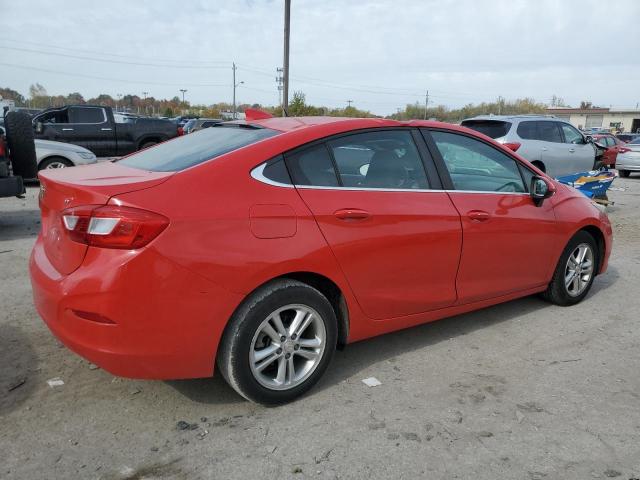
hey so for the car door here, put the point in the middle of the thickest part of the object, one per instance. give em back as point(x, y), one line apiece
point(91, 129)
point(508, 241)
point(555, 153)
point(582, 154)
point(394, 232)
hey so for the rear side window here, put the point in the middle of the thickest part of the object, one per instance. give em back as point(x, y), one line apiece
point(549, 132)
point(195, 148)
point(491, 128)
point(87, 115)
point(528, 130)
point(276, 171)
point(312, 166)
point(382, 159)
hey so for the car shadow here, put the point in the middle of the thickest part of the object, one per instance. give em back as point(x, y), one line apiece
point(360, 355)
point(17, 363)
point(19, 224)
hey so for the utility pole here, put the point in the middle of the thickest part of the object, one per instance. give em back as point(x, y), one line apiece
point(426, 104)
point(285, 63)
point(349, 102)
point(235, 85)
point(279, 80)
point(145, 102)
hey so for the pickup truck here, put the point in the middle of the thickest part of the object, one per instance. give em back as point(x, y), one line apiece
point(98, 129)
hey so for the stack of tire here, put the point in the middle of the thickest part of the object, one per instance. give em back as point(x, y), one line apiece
point(21, 154)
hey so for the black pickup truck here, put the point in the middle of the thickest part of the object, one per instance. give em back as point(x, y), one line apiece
point(98, 129)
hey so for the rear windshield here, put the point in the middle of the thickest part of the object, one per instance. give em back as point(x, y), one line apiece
point(491, 128)
point(195, 148)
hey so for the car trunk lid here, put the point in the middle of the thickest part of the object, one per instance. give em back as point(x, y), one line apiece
point(71, 187)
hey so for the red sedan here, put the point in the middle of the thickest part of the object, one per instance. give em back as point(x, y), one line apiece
point(613, 145)
point(260, 246)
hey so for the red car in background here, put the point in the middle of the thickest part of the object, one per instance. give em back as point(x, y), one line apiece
point(259, 246)
point(614, 146)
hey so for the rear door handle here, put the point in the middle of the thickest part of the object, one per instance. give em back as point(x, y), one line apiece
point(572, 150)
point(479, 215)
point(67, 129)
point(105, 129)
point(351, 214)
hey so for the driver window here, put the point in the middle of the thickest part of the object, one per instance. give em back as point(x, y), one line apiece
point(571, 135)
point(61, 116)
point(475, 166)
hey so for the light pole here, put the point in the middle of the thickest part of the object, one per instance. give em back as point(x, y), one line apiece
point(145, 101)
point(118, 96)
point(235, 85)
point(285, 63)
point(183, 90)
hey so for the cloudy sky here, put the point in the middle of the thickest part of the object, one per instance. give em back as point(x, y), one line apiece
point(381, 54)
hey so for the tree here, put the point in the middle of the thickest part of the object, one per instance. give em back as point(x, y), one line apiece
point(74, 98)
point(585, 105)
point(9, 94)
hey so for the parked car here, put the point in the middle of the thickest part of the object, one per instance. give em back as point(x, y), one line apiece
point(628, 137)
point(96, 128)
point(259, 246)
point(17, 154)
point(554, 146)
point(60, 155)
point(196, 124)
point(629, 161)
point(613, 146)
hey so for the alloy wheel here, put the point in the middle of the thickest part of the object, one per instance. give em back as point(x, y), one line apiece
point(579, 269)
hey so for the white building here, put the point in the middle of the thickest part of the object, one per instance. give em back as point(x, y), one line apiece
point(624, 120)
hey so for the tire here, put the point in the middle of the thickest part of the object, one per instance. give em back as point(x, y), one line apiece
point(147, 144)
point(624, 173)
point(22, 149)
point(246, 331)
point(55, 162)
point(598, 164)
point(558, 292)
point(539, 165)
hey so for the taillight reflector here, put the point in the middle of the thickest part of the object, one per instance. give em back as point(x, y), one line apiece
point(112, 226)
point(514, 146)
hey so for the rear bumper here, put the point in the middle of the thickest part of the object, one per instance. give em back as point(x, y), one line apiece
point(164, 321)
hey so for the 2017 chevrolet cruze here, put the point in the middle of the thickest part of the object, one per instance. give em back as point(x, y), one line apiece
point(259, 246)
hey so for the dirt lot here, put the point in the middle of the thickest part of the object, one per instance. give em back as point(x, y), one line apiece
point(523, 390)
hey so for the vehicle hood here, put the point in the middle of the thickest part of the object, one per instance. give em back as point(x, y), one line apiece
point(59, 146)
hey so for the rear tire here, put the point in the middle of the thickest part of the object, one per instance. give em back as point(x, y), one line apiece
point(624, 173)
point(147, 145)
point(253, 357)
point(576, 269)
point(22, 149)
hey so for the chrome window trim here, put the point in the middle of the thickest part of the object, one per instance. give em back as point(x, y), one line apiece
point(258, 174)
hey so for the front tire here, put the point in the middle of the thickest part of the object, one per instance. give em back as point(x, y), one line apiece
point(624, 173)
point(55, 162)
point(278, 343)
point(573, 276)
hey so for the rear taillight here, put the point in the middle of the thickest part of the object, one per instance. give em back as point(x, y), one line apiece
point(180, 131)
point(514, 146)
point(111, 226)
point(2, 150)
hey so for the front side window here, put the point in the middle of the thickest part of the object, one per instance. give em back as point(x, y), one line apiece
point(475, 166)
point(383, 159)
point(571, 135)
point(87, 115)
point(549, 132)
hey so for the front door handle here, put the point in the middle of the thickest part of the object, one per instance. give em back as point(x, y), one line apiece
point(67, 129)
point(351, 214)
point(479, 215)
point(105, 129)
point(572, 150)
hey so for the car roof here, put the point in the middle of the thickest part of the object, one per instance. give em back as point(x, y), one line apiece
point(288, 124)
point(516, 117)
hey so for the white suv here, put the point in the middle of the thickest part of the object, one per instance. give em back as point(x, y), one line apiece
point(553, 145)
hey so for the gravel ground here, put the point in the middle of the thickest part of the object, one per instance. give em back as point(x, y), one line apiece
point(523, 390)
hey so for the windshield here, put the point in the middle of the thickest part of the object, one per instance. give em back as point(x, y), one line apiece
point(195, 148)
point(491, 128)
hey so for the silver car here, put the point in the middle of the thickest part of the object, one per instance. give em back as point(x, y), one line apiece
point(554, 146)
point(629, 160)
point(60, 155)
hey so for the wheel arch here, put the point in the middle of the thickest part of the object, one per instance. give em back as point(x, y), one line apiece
point(53, 156)
point(598, 236)
point(539, 164)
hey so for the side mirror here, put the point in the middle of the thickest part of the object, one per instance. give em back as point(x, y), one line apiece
point(588, 139)
point(540, 189)
point(39, 127)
